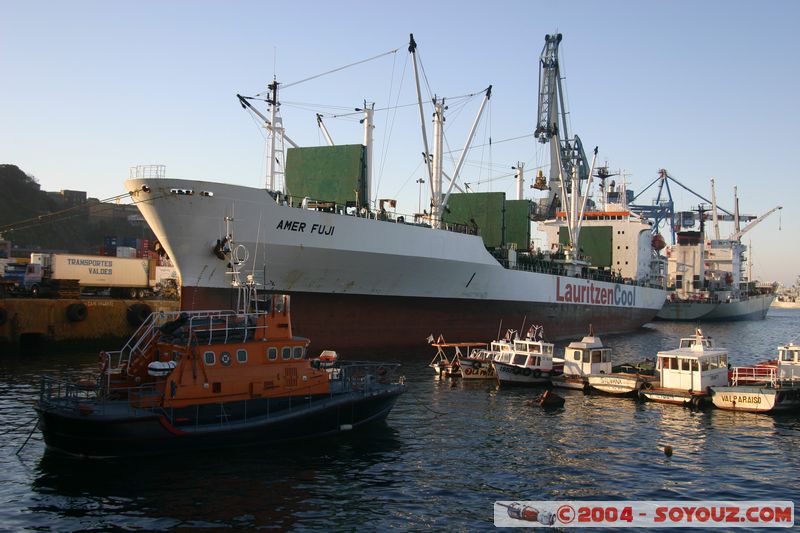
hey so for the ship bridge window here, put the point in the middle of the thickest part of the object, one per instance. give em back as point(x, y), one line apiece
point(209, 358)
point(519, 359)
point(723, 360)
point(286, 352)
point(272, 353)
point(786, 355)
point(576, 355)
point(297, 352)
point(597, 356)
point(206, 193)
point(533, 361)
point(187, 192)
point(241, 356)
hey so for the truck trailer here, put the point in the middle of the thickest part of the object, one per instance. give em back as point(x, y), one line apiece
point(124, 277)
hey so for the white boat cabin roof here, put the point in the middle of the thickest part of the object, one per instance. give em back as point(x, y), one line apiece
point(697, 342)
point(789, 354)
point(586, 343)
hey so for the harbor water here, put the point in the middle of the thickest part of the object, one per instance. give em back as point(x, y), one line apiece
point(447, 452)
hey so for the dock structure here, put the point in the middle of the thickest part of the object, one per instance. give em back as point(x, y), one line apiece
point(29, 324)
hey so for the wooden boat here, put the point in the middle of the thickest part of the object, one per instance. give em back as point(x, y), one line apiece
point(582, 359)
point(686, 375)
point(625, 379)
point(478, 364)
point(768, 387)
point(446, 360)
point(210, 379)
point(526, 361)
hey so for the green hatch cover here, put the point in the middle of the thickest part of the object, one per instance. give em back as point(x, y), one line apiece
point(486, 208)
point(327, 173)
point(595, 242)
point(518, 223)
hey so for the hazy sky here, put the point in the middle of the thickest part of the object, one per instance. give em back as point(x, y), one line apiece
point(704, 89)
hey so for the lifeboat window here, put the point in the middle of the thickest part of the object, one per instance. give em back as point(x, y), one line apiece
point(695, 365)
point(503, 358)
point(786, 355)
point(597, 356)
point(576, 355)
point(272, 353)
point(548, 350)
point(723, 360)
point(209, 358)
point(286, 352)
point(533, 361)
point(519, 359)
point(297, 352)
point(684, 364)
point(241, 356)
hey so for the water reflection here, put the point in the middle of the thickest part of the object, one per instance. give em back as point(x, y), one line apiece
point(448, 451)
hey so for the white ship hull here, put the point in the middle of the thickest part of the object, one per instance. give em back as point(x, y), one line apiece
point(753, 308)
point(357, 281)
point(617, 384)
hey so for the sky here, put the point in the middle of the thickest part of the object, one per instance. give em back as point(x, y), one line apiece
point(703, 89)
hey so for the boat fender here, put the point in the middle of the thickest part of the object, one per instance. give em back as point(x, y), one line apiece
point(476, 364)
point(646, 385)
point(138, 313)
point(467, 371)
point(77, 312)
point(697, 402)
point(3, 316)
point(537, 373)
point(526, 372)
point(516, 370)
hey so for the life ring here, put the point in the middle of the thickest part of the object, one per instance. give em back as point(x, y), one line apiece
point(3, 315)
point(537, 373)
point(526, 372)
point(225, 358)
point(467, 371)
point(138, 313)
point(476, 364)
point(515, 371)
point(77, 312)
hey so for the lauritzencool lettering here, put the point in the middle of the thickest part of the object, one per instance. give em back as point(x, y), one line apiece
point(586, 292)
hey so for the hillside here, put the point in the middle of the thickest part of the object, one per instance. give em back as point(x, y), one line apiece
point(33, 219)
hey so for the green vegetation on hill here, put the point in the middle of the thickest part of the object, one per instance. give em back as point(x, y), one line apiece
point(32, 219)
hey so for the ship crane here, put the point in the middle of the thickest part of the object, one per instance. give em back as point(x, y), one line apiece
point(552, 110)
point(738, 235)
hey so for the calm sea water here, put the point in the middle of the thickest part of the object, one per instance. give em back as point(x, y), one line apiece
point(446, 453)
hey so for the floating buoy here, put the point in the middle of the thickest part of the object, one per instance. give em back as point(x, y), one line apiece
point(668, 451)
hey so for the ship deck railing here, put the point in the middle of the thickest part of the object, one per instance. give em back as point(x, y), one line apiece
point(348, 380)
point(754, 375)
point(182, 327)
point(539, 263)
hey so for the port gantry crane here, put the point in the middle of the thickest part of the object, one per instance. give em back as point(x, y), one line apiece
point(567, 157)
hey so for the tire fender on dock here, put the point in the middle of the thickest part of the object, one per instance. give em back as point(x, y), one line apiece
point(138, 313)
point(77, 312)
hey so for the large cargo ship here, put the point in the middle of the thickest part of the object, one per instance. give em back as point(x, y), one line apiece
point(361, 276)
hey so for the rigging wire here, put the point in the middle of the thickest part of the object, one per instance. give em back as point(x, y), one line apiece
point(287, 85)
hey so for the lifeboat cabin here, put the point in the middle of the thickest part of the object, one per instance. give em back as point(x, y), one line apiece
point(686, 375)
point(581, 359)
point(524, 362)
